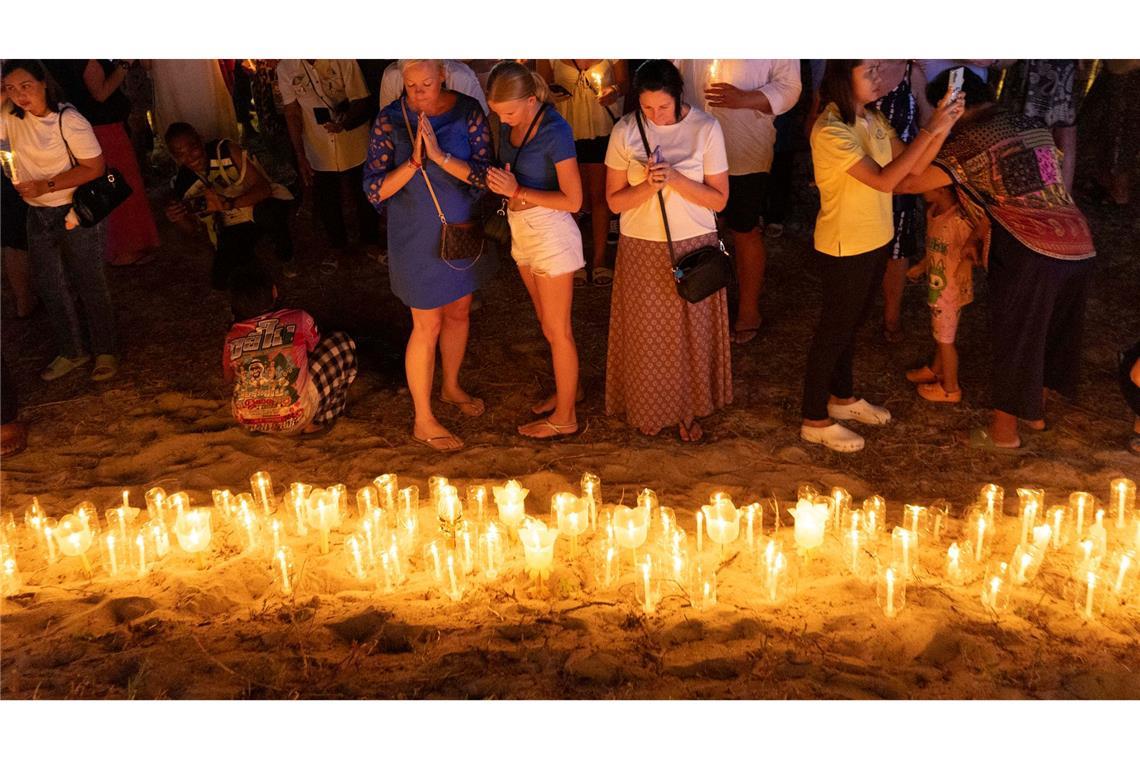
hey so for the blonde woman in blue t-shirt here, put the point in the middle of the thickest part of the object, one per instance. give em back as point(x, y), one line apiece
point(540, 179)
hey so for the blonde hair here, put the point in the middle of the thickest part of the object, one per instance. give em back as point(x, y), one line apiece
point(510, 80)
point(406, 63)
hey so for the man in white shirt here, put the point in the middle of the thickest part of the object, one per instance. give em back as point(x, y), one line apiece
point(745, 96)
point(328, 109)
point(457, 76)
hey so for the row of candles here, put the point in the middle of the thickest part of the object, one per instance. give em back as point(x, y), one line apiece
point(644, 545)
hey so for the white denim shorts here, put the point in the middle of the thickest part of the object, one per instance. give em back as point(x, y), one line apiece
point(545, 240)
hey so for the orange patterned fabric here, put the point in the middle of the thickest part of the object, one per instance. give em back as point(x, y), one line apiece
point(669, 360)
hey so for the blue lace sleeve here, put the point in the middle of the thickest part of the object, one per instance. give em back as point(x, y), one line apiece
point(479, 137)
point(381, 158)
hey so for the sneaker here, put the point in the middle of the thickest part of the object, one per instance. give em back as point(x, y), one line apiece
point(834, 436)
point(289, 269)
point(106, 365)
point(61, 365)
point(860, 411)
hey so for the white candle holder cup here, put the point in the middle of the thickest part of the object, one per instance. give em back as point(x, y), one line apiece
point(284, 571)
point(367, 499)
point(1082, 508)
point(874, 515)
point(778, 574)
point(978, 530)
point(114, 555)
point(904, 552)
point(261, 486)
point(840, 507)
point(453, 584)
point(958, 565)
point(435, 483)
point(991, 498)
point(156, 504)
point(477, 504)
point(467, 547)
point(193, 531)
point(572, 516)
point(1090, 595)
point(1025, 564)
point(1121, 574)
point(647, 585)
point(1122, 498)
point(857, 558)
point(590, 487)
point(297, 500)
point(492, 550)
point(356, 560)
point(388, 489)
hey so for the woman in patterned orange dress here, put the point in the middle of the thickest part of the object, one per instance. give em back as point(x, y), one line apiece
point(669, 360)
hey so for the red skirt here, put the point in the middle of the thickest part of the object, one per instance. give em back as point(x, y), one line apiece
point(131, 231)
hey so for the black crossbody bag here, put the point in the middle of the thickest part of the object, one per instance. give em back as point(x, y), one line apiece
point(700, 273)
point(495, 226)
point(93, 201)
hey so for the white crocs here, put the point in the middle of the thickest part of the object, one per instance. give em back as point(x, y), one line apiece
point(860, 411)
point(834, 436)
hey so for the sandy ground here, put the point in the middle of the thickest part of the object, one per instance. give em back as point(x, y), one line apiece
point(226, 633)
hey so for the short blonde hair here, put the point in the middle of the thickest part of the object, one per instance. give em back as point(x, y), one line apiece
point(406, 63)
point(510, 80)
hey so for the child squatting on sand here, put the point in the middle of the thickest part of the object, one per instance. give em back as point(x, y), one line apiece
point(285, 378)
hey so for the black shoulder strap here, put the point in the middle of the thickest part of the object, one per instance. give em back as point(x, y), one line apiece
point(70, 155)
point(660, 197)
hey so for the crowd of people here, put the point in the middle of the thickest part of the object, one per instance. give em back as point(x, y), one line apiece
point(922, 171)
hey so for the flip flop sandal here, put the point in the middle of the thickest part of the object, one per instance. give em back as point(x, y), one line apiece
point(430, 442)
point(980, 439)
point(921, 375)
point(745, 335)
point(557, 431)
point(463, 406)
point(603, 277)
point(936, 393)
point(580, 279)
point(328, 266)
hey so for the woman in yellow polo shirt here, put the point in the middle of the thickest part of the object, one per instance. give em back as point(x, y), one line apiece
point(859, 161)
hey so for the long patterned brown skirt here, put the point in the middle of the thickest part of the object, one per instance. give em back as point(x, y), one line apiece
point(669, 360)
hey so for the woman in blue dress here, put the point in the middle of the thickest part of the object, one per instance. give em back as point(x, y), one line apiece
point(443, 134)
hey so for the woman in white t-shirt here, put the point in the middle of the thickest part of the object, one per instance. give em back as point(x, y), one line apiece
point(54, 151)
point(669, 360)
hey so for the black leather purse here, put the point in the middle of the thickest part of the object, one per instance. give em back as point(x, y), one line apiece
point(700, 273)
point(93, 201)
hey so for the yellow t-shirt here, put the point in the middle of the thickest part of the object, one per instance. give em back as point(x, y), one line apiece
point(853, 217)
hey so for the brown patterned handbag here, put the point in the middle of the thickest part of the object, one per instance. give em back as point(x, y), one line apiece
point(458, 241)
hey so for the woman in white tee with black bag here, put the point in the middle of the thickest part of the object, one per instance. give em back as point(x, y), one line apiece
point(55, 151)
point(669, 360)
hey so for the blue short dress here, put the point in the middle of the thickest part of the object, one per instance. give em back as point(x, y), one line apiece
point(419, 277)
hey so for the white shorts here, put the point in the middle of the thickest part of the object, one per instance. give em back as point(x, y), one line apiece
point(546, 241)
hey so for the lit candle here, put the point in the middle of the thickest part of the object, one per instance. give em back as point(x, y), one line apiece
point(874, 514)
point(1022, 562)
point(34, 517)
point(993, 496)
point(902, 542)
point(840, 506)
point(1123, 500)
point(700, 531)
point(74, 537)
point(323, 514)
point(283, 569)
point(435, 484)
point(1089, 592)
point(1057, 522)
point(223, 503)
point(466, 538)
point(49, 540)
point(1041, 536)
point(591, 488)
point(714, 69)
point(262, 486)
point(298, 503)
point(431, 552)
point(1098, 533)
point(890, 591)
point(248, 525)
point(811, 518)
point(851, 551)
point(1031, 500)
point(648, 500)
point(940, 512)
point(477, 502)
point(394, 563)
point(777, 567)
point(388, 486)
point(110, 545)
point(491, 550)
point(751, 512)
point(159, 538)
point(981, 535)
point(455, 593)
point(193, 532)
point(647, 590)
point(953, 564)
point(631, 527)
point(722, 522)
point(10, 579)
point(8, 162)
point(180, 502)
point(1124, 561)
point(119, 519)
point(573, 517)
point(702, 591)
point(355, 558)
point(538, 547)
point(914, 517)
point(994, 593)
point(367, 499)
point(1081, 503)
point(511, 500)
point(449, 509)
point(678, 557)
point(140, 554)
point(156, 503)
point(276, 531)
